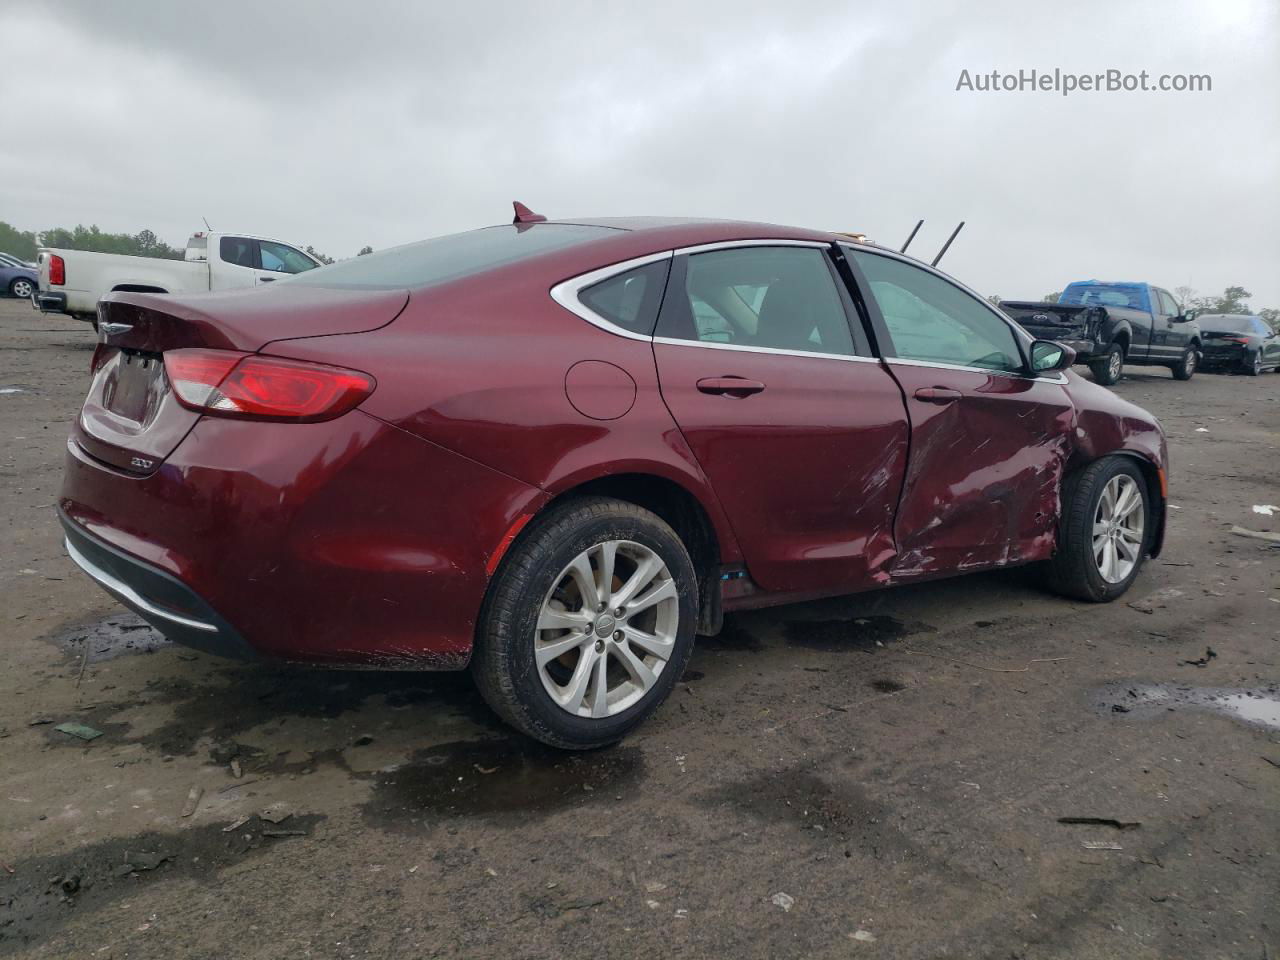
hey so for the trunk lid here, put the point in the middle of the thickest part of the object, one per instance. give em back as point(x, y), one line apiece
point(1051, 321)
point(131, 418)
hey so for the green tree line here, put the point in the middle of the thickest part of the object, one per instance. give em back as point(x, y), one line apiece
point(24, 243)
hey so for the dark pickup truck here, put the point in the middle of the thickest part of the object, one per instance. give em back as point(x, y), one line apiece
point(1111, 324)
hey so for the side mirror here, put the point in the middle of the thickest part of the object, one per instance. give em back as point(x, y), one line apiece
point(1049, 355)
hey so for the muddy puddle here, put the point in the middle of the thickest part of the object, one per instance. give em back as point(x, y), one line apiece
point(111, 637)
point(43, 893)
point(506, 778)
point(1258, 706)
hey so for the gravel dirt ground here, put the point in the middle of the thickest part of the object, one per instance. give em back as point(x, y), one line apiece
point(876, 776)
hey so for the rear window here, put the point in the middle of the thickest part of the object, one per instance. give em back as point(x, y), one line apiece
point(431, 262)
point(1131, 295)
point(1231, 323)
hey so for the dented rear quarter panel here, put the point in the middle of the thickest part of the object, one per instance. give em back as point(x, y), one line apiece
point(462, 369)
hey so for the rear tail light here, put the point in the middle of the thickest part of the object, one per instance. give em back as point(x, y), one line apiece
point(225, 383)
point(57, 271)
point(1234, 339)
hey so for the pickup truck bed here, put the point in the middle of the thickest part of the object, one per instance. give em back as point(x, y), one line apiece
point(73, 281)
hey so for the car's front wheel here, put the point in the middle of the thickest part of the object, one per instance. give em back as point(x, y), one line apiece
point(588, 623)
point(1185, 368)
point(22, 288)
point(1107, 366)
point(1104, 531)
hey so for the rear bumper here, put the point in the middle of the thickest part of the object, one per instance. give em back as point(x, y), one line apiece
point(1084, 349)
point(1070, 336)
point(1224, 357)
point(48, 302)
point(348, 543)
point(158, 597)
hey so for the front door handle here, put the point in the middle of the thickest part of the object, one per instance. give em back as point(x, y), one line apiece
point(729, 386)
point(938, 395)
point(266, 279)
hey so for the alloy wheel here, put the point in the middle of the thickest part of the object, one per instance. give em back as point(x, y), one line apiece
point(22, 289)
point(1114, 365)
point(606, 629)
point(1193, 358)
point(1118, 528)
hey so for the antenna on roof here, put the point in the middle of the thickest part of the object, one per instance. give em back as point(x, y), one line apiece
point(946, 246)
point(525, 215)
point(206, 224)
point(919, 224)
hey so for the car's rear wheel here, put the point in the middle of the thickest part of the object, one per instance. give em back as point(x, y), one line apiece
point(21, 288)
point(1107, 366)
point(1104, 531)
point(1254, 367)
point(588, 623)
point(1185, 368)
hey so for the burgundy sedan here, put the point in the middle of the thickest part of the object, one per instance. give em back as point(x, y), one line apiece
point(553, 452)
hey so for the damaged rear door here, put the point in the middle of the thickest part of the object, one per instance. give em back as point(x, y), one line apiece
point(988, 441)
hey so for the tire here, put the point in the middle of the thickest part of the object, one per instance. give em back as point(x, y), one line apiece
point(1107, 366)
point(21, 288)
point(1254, 369)
point(535, 585)
point(1075, 571)
point(1186, 368)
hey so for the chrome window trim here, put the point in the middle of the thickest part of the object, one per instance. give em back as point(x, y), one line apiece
point(731, 244)
point(743, 348)
point(566, 292)
point(125, 592)
point(939, 365)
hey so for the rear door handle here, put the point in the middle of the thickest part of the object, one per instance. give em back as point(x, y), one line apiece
point(730, 386)
point(266, 279)
point(937, 394)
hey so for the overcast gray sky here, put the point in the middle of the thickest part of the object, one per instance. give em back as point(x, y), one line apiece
point(341, 124)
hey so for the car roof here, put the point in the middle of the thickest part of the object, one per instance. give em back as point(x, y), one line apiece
point(625, 238)
point(684, 231)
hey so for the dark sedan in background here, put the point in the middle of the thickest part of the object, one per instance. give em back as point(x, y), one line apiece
point(1236, 341)
point(17, 277)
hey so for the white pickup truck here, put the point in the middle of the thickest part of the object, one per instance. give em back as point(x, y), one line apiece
point(73, 281)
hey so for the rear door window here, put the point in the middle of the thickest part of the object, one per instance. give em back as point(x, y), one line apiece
point(240, 251)
point(777, 298)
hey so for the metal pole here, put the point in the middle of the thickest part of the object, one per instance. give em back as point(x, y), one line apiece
point(919, 224)
point(946, 246)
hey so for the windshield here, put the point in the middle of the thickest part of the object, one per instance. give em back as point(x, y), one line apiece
point(1229, 323)
point(430, 262)
point(1094, 294)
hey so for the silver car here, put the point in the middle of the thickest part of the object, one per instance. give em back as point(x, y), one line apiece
point(17, 277)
